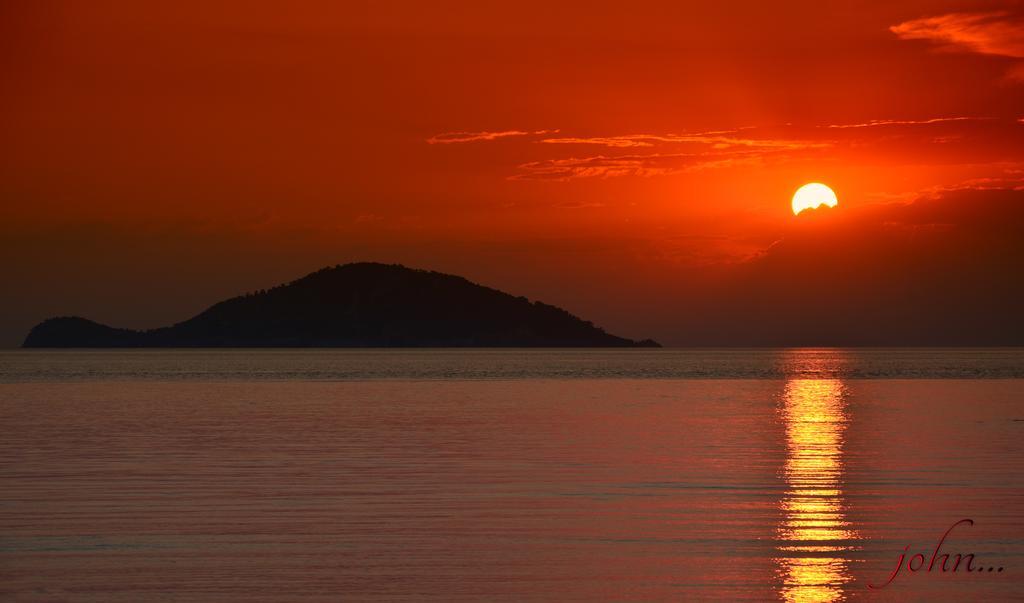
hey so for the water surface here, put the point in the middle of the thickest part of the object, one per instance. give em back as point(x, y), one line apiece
point(508, 475)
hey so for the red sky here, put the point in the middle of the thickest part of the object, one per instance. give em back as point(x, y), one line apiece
point(632, 163)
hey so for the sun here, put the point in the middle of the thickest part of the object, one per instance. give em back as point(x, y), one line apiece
point(813, 195)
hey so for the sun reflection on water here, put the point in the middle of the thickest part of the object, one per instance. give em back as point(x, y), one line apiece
point(814, 535)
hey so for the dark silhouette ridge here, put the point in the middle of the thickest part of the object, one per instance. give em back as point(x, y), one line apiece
point(355, 305)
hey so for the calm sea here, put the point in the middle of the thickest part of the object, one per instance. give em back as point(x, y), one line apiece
point(522, 475)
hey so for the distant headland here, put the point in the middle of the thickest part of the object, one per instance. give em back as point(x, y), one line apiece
point(353, 305)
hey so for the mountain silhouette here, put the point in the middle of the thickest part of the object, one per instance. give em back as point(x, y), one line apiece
point(354, 305)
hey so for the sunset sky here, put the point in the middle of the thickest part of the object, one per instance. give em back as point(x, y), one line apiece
point(633, 164)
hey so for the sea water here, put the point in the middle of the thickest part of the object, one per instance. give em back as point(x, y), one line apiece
point(510, 475)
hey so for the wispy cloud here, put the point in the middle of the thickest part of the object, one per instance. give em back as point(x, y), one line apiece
point(459, 137)
point(608, 141)
point(600, 166)
point(571, 157)
point(1011, 179)
point(717, 140)
point(637, 140)
point(642, 165)
point(874, 123)
point(679, 153)
point(995, 33)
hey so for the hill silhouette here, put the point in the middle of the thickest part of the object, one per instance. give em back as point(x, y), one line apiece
point(354, 305)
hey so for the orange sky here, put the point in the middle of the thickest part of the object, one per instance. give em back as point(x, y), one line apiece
point(624, 162)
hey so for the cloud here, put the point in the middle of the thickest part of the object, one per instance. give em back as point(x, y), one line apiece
point(608, 141)
point(941, 270)
point(600, 166)
point(638, 140)
point(1012, 179)
point(718, 140)
point(937, 140)
point(654, 164)
point(677, 153)
point(904, 122)
point(993, 33)
point(460, 137)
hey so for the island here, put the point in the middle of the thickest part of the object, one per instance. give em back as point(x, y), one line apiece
point(353, 305)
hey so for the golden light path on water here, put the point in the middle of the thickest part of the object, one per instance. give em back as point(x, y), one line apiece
point(814, 535)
